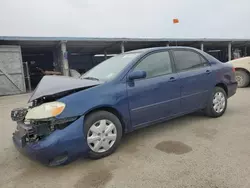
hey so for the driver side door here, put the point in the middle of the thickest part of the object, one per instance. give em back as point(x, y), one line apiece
point(157, 96)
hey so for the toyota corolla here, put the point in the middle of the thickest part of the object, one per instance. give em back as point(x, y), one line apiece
point(68, 117)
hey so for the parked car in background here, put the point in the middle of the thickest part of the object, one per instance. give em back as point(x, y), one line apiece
point(242, 67)
point(89, 116)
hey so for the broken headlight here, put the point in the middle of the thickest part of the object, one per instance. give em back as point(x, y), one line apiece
point(46, 110)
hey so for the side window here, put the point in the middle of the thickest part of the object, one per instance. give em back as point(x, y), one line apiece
point(185, 60)
point(155, 64)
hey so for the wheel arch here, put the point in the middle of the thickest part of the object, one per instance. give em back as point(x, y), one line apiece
point(223, 86)
point(242, 69)
point(111, 110)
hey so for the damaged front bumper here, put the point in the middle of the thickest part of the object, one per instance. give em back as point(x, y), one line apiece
point(60, 147)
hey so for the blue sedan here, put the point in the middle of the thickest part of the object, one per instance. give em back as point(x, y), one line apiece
point(68, 117)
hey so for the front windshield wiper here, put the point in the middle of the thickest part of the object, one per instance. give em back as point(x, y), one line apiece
point(91, 78)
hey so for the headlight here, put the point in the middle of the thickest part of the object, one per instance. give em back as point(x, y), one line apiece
point(46, 110)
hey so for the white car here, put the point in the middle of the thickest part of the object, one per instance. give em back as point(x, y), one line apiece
point(242, 71)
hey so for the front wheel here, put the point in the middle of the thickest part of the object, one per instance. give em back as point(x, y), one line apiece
point(103, 132)
point(217, 104)
point(242, 78)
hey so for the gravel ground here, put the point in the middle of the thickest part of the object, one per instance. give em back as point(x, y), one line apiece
point(191, 151)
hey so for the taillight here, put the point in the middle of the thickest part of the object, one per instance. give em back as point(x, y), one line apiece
point(233, 69)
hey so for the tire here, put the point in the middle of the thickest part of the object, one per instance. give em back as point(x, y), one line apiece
point(242, 78)
point(98, 133)
point(211, 110)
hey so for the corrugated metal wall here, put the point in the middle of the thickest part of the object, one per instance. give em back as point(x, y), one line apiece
point(11, 71)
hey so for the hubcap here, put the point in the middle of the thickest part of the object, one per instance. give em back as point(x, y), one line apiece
point(219, 102)
point(101, 136)
point(239, 79)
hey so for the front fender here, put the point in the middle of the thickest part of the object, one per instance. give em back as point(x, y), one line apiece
point(82, 102)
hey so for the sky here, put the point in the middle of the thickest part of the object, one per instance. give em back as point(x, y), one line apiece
point(126, 18)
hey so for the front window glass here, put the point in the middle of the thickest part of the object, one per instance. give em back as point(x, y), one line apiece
point(110, 68)
point(156, 64)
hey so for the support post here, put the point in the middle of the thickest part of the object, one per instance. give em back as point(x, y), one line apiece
point(64, 58)
point(167, 44)
point(229, 51)
point(202, 46)
point(28, 75)
point(245, 51)
point(122, 47)
point(105, 55)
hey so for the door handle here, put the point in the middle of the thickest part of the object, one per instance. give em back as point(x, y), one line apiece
point(208, 71)
point(172, 79)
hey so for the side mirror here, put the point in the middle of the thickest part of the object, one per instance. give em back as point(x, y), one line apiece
point(137, 75)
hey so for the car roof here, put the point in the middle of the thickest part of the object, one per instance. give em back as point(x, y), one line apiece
point(146, 50)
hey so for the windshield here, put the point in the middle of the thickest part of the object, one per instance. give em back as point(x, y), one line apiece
point(109, 68)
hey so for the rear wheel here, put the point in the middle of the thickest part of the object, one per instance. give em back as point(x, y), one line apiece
point(217, 103)
point(242, 78)
point(103, 131)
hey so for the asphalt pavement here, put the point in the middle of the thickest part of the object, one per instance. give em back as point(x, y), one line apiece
point(191, 151)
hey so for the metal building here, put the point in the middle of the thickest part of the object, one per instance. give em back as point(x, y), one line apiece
point(11, 70)
point(21, 58)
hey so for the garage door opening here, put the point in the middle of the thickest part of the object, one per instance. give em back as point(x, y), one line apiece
point(39, 64)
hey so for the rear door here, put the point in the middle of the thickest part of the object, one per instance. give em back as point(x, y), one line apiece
point(157, 96)
point(196, 80)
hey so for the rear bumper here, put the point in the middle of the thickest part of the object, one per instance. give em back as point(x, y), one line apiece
point(66, 144)
point(232, 88)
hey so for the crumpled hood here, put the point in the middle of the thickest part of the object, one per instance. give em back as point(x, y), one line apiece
point(50, 85)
